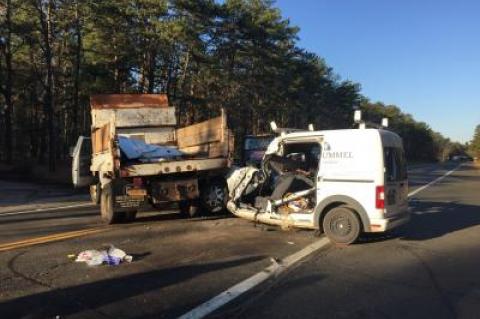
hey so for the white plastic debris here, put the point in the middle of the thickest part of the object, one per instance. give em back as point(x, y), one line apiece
point(113, 257)
point(91, 257)
point(118, 253)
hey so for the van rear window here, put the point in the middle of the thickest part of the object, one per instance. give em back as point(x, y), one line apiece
point(395, 164)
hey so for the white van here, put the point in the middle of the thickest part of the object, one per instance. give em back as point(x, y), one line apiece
point(342, 182)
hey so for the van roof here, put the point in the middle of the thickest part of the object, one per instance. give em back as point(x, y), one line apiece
point(389, 138)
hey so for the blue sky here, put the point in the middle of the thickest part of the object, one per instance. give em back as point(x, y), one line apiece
point(423, 56)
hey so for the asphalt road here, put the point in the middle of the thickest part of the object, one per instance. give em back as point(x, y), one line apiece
point(427, 269)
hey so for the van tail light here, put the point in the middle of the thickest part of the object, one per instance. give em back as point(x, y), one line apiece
point(137, 182)
point(380, 197)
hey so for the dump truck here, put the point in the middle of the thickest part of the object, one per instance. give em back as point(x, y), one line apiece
point(136, 156)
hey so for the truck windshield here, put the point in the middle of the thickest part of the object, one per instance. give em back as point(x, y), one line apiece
point(257, 143)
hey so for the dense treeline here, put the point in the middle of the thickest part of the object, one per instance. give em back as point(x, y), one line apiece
point(240, 54)
point(420, 141)
point(474, 145)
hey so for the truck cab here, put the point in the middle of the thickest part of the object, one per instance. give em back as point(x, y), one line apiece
point(254, 147)
point(342, 182)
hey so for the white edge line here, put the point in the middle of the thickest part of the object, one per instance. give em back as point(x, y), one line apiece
point(249, 283)
point(438, 179)
point(46, 209)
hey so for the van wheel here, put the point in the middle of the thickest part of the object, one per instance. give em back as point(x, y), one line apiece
point(109, 216)
point(214, 196)
point(341, 225)
point(188, 208)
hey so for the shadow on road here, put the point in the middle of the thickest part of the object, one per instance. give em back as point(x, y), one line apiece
point(71, 300)
point(430, 220)
point(434, 219)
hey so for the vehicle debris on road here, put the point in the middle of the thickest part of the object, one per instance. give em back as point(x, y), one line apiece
point(112, 256)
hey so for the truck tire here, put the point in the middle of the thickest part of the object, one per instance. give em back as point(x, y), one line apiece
point(109, 216)
point(214, 195)
point(130, 216)
point(341, 225)
point(95, 190)
point(188, 208)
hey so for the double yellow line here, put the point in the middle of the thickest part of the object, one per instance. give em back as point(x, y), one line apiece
point(49, 238)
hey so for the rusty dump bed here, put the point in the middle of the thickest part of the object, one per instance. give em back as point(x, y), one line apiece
point(128, 101)
point(206, 145)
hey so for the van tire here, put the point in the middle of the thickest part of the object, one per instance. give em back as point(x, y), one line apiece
point(341, 225)
point(109, 216)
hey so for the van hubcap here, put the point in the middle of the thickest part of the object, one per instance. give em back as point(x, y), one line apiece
point(341, 226)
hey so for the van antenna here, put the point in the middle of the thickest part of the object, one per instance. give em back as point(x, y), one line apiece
point(385, 122)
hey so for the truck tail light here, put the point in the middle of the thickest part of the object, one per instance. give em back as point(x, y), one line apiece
point(380, 197)
point(137, 182)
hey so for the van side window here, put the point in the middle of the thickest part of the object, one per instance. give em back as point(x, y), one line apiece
point(402, 164)
point(307, 155)
point(395, 164)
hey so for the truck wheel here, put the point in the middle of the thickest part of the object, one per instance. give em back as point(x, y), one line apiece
point(130, 216)
point(214, 196)
point(341, 225)
point(95, 193)
point(109, 216)
point(188, 208)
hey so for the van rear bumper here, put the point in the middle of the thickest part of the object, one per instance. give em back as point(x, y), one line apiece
point(384, 224)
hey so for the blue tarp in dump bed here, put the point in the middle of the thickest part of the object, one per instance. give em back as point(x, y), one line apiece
point(139, 150)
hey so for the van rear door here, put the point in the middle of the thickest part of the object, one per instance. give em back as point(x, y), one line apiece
point(396, 182)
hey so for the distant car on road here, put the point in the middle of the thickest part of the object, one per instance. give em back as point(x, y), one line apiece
point(462, 158)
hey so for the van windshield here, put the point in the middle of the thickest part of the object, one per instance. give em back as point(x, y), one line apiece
point(395, 164)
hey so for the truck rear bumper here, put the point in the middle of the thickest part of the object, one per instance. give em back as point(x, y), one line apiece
point(128, 202)
point(385, 224)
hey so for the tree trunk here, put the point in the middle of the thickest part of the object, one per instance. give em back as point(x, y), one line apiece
point(48, 102)
point(76, 82)
point(152, 66)
point(8, 85)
